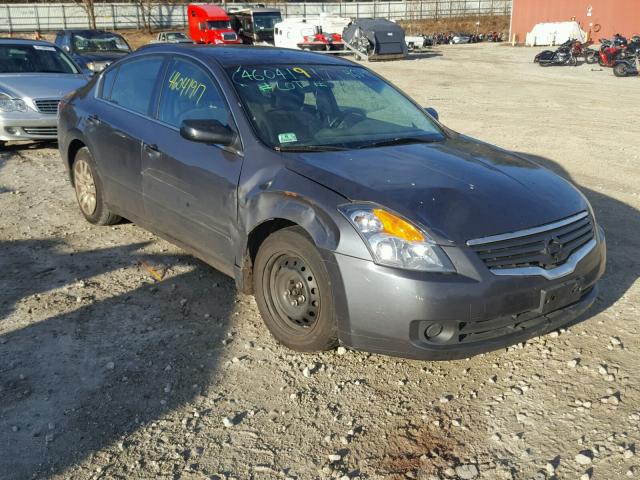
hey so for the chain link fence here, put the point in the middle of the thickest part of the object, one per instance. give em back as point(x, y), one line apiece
point(116, 16)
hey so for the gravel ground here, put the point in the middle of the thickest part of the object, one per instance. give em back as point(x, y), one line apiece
point(107, 373)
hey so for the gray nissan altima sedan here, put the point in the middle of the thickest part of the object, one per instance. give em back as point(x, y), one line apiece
point(34, 76)
point(349, 211)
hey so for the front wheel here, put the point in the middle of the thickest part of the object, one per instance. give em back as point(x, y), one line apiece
point(293, 292)
point(88, 188)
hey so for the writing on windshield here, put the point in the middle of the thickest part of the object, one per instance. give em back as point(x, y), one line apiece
point(292, 77)
point(314, 106)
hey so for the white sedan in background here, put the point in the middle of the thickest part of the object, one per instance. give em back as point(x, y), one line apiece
point(34, 76)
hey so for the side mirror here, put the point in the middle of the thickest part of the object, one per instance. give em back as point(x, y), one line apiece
point(432, 111)
point(207, 131)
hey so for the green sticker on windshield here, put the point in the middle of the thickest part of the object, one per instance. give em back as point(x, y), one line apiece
point(287, 137)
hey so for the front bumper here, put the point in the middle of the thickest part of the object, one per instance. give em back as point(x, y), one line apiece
point(390, 311)
point(28, 126)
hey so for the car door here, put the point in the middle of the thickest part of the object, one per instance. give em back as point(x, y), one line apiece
point(116, 130)
point(190, 188)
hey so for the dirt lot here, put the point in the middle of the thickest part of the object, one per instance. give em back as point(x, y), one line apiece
point(106, 373)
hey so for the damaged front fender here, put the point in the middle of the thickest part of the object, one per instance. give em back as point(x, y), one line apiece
point(271, 205)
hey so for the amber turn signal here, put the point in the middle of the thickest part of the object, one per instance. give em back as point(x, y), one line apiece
point(398, 227)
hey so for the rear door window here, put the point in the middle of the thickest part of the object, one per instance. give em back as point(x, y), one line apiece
point(133, 87)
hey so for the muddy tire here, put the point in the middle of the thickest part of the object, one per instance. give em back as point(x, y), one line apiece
point(293, 292)
point(89, 192)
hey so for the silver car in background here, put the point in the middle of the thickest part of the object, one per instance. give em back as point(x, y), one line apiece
point(34, 76)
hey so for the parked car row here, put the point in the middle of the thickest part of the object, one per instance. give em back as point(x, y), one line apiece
point(455, 38)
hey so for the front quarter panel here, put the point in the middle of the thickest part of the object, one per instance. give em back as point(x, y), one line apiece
point(284, 194)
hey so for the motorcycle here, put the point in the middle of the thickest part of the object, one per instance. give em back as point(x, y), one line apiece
point(610, 51)
point(564, 55)
point(633, 47)
point(583, 50)
point(493, 37)
point(628, 66)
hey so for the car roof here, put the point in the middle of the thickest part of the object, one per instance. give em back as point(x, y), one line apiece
point(24, 41)
point(231, 55)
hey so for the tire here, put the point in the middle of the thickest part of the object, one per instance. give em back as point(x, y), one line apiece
point(591, 58)
point(293, 292)
point(621, 70)
point(89, 191)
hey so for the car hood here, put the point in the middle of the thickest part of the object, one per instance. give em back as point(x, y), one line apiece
point(40, 85)
point(100, 56)
point(459, 189)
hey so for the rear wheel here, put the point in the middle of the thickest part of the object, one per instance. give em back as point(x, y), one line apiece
point(293, 292)
point(89, 192)
point(621, 70)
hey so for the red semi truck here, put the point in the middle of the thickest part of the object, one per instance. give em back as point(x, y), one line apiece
point(210, 24)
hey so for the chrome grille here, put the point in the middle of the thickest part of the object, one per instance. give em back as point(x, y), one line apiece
point(546, 247)
point(47, 106)
point(43, 131)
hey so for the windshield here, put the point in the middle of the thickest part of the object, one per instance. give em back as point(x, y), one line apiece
point(219, 25)
point(328, 106)
point(99, 42)
point(34, 59)
point(266, 21)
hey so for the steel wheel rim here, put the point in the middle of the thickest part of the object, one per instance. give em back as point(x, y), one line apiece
point(85, 186)
point(292, 293)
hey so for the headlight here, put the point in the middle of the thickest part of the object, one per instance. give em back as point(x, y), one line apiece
point(91, 66)
point(8, 104)
point(395, 242)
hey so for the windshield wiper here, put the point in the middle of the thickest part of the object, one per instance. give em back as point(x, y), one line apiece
point(310, 148)
point(398, 141)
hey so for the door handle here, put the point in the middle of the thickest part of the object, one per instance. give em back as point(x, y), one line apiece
point(93, 119)
point(151, 149)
